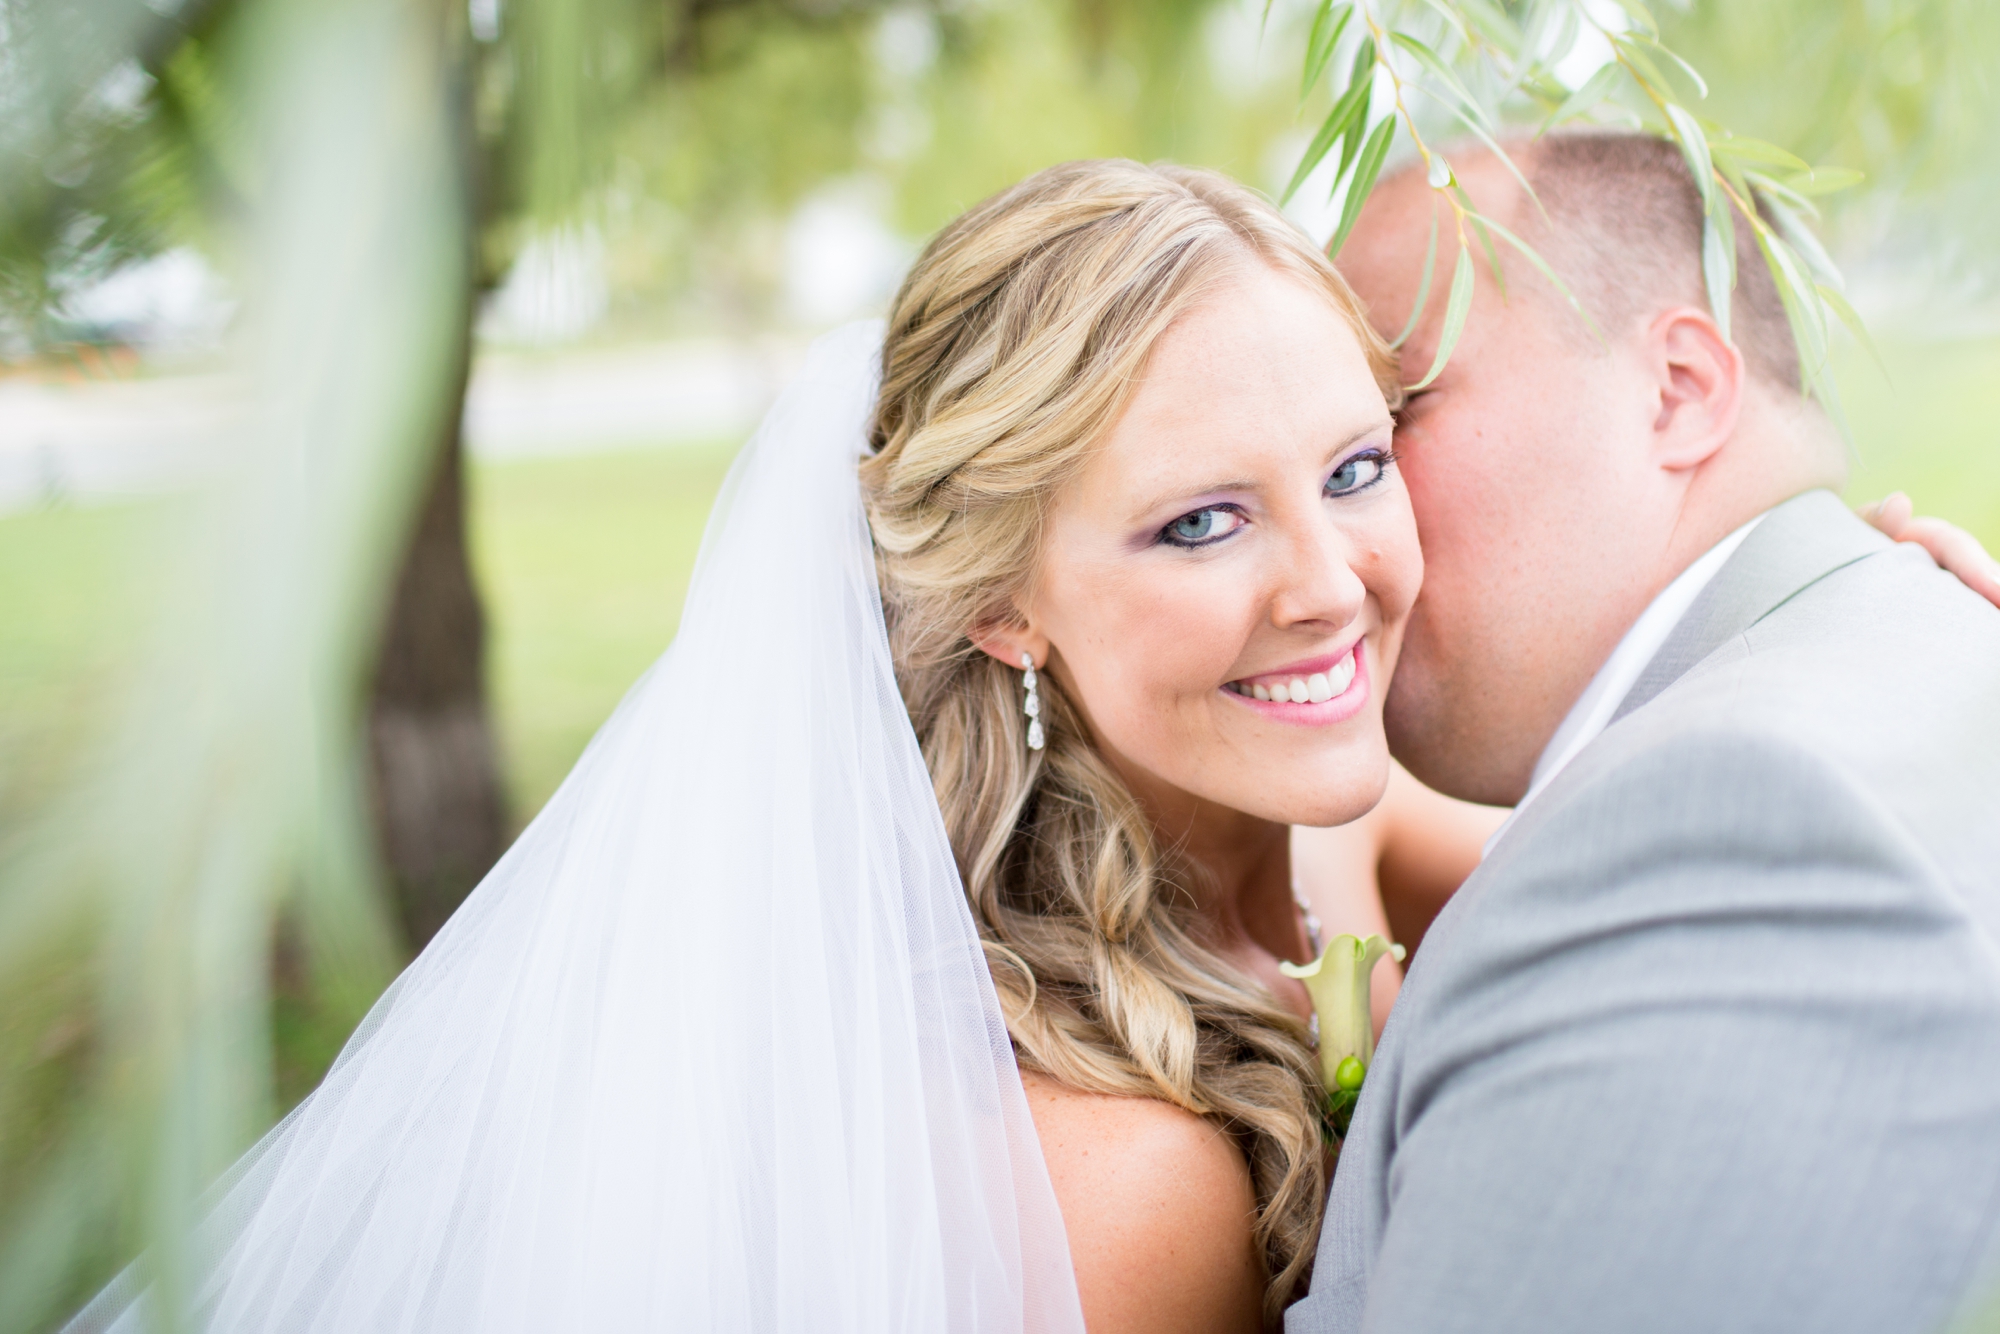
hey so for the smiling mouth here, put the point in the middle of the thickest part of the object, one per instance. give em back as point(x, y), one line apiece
point(1299, 688)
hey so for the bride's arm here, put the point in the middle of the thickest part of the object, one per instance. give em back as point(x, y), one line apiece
point(1429, 844)
point(1951, 547)
point(1159, 1209)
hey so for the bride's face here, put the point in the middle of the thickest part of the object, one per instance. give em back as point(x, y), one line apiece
point(1241, 533)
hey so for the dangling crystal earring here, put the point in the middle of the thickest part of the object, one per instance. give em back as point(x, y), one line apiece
point(1033, 708)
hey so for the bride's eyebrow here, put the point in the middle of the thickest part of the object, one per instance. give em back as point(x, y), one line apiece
point(1185, 496)
point(1385, 426)
point(1194, 495)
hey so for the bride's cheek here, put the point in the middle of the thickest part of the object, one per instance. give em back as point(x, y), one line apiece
point(1397, 567)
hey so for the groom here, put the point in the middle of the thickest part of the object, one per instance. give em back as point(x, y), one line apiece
point(1711, 1040)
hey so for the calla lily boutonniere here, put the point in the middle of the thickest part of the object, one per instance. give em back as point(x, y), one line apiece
point(1338, 984)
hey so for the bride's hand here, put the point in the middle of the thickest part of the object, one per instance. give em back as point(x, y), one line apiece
point(1950, 546)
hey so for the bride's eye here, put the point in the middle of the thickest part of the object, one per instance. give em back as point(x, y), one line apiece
point(1357, 473)
point(1202, 527)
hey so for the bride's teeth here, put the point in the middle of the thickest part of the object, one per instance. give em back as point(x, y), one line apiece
point(1315, 689)
point(1342, 676)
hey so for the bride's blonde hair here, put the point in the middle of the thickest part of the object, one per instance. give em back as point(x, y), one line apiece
point(1013, 346)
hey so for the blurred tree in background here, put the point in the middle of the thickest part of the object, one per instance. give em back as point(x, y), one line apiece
point(307, 722)
point(1906, 92)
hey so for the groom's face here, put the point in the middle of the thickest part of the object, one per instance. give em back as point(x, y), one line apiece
point(1520, 461)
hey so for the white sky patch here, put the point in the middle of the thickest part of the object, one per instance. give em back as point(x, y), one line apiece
point(555, 293)
point(173, 300)
point(483, 17)
point(906, 44)
point(842, 260)
point(1240, 48)
point(1591, 51)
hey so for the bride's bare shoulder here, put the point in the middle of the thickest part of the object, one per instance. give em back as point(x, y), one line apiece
point(1159, 1208)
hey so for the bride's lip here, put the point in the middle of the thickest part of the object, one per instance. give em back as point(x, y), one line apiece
point(1337, 709)
point(1306, 667)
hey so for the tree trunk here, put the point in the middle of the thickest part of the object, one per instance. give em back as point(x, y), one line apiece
point(437, 797)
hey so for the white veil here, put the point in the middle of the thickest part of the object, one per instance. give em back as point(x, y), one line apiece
point(714, 1046)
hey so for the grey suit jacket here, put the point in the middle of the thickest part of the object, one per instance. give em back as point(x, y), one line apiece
point(1711, 1042)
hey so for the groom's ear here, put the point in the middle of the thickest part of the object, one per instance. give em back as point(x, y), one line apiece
point(1699, 377)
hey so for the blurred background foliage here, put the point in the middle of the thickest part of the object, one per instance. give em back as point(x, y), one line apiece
point(375, 462)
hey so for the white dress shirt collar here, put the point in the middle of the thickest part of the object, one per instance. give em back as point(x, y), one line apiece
point(1593, 709)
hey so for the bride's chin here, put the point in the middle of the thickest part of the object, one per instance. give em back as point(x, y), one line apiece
point(1325, 801)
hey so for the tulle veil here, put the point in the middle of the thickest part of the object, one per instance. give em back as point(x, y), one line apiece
point(714, 1046)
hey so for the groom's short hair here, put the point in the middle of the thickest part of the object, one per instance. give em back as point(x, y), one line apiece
point(1624, 231)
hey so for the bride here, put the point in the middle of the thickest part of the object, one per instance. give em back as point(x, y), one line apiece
point(903, 955)
point(1131, 461)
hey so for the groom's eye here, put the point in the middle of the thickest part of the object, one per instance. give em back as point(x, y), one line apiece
point(1357, 473)
point(1202, 527)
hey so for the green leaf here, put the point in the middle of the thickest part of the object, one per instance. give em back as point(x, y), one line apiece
point(1555, 280)
point(1718, 259)
point(1325, 35)
point(1506, 160)
point(1455, 310)
point(1538, 19)
point(1824, 181)
point(1594, 90)
point(1429, 60)
point(1829, 398)
point(1642, 18)
point(1452, 20)
point(1424, 287)
point(1366, 168)
point(1486, 244)
point(1756, 151)
point(1732, 171)
point(1643, 69)
point(1768, 189)
point(1850, 317)
point(1802, 241)
point(1694, 146)
point(1337, 123)
point(1694, 75)
point(1493, 24)
point(1361, 77)
point(1567, 24)
point(1802, 308)
point(1624, 117)
point(1545, 88)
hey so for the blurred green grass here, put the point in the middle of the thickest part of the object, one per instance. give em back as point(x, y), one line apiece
point(1928, 422)
point(584, 562)
point(77, 587)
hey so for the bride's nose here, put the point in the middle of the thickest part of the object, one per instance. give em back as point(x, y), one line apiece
point(1320, 578)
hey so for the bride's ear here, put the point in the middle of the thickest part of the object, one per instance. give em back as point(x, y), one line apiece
point(1008, 639)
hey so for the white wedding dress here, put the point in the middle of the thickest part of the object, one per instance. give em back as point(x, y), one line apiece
point(714, 1046)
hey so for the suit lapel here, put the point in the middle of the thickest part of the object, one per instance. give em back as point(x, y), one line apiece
point(1798, 544)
